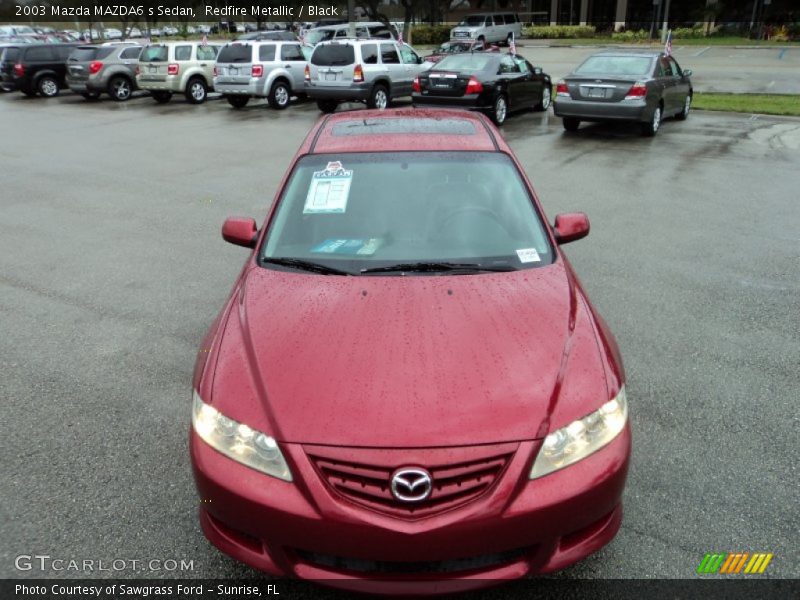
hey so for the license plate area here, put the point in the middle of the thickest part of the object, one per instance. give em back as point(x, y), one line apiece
point(596, 92)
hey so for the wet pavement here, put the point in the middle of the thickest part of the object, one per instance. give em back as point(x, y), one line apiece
point(112, 268)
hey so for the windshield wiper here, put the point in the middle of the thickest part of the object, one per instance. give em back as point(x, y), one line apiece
point(305, 265)
point(437, 267)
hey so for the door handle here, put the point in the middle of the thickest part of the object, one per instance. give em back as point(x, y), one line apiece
point(203, 64)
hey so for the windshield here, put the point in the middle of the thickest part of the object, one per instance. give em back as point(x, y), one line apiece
point(474, 21)
point(364, 211)
point(631, 66)
point(315, 36)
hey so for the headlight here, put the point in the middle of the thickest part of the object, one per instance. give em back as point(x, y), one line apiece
point(238, 441)
point(581, 438)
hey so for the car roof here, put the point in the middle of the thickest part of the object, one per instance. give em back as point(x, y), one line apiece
point(645, 54)
point(403, 130)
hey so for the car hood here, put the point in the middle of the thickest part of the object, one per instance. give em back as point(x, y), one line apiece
point(393, 361)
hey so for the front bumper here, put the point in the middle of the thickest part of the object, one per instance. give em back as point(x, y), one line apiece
point(356, 92)
point(305, 529)
point(624, 110)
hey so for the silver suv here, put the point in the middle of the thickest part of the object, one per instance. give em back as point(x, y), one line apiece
point(371, 71)
point(271, 70)
point(488, 27)
point(92, 70)
point(177, 67)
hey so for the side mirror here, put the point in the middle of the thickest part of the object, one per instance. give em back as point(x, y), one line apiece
point(537, 70)
point(570, 227)
point(240, 231)
point(687, 72)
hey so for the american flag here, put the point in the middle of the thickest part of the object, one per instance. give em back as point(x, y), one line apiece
point(512, 46)
point(399, 35)
point(668, 46)
point(204, 40)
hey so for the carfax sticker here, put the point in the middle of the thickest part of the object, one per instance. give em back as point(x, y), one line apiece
point(527, 255)
point(329, 190)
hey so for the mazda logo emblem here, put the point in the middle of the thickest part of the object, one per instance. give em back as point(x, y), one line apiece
point(411, 485)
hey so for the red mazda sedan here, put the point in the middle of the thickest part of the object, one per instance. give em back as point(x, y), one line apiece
point(408, 383)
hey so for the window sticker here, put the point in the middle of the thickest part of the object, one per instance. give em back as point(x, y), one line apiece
point(329, 190)
point(527, 255)
point(350, 247)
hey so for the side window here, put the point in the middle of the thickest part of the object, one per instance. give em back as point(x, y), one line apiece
point(266, 53)
point(291, 52)
point(183, 52)
point(507, 65)
point(369, 52)
point(664, 69)
point(489, 22)
point(409, 56)
point(500, 20)
point(522, 64)
point(206, 52)
point(676, 70)
point(361, 32)
point(130, 53)
point(341, 33)
point(389, 54)
point(38, 54)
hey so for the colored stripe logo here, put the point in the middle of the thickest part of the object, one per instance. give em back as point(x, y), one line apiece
point(734, 563)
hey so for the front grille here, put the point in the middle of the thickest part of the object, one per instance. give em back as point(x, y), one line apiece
point(454, 484)
point(457, 565)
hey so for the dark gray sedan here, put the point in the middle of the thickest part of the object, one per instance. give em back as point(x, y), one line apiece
point(645, 87)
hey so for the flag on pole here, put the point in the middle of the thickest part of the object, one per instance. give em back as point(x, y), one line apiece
point(399, 35)
point(204, 41)
point(512, 46)
point(668, 45)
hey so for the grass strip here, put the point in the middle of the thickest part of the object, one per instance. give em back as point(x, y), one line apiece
point(767, 104)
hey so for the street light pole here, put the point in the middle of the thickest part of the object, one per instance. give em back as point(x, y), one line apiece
point(666, 23)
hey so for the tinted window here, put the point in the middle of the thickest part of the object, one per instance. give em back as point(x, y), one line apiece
point(183, 52)
point(473, 21)
point(267, 53)
point(409, 56)
point(85, 53)
point(154, 54)
point(508, 65)
point(369, 53)
point(466, 62)
point(635, 66)
point(389, 54)
point(333, 55)
point(500, 20)
point(291, 52)
point(10, 54)
point(510, 19)
point(676, 70)
point(408, 207)
point(207, 52)
point(383, 33)
point(63, 52)
point(315, 36)
point(38, 54)
point(522, 64)
point(130, 53)
point(233, 53)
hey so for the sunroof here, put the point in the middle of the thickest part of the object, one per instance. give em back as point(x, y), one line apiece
point(410, 125)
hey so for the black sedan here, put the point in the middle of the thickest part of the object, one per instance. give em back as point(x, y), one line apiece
point(457, 47)
point(490, 82)
point(644, 87)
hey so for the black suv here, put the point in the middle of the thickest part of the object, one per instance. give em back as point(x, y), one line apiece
point(35, 68)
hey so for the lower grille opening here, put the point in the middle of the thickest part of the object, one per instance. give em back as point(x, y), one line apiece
point(457, 565)
point(239, 537)
point(585, 533)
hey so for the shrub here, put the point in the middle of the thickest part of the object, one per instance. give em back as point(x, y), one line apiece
point(430, 34)
point(631, 36)
point(559, 31)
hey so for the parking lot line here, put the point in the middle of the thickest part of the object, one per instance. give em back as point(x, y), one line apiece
point(781, 53)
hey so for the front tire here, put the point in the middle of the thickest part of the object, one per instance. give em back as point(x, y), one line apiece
point(120, 88)
point(327, 106)
point(279, 95)
point(547, 97)
point(48, 86)
point(499, 110)
point(238, 101)
point(687, 105)
point(570, 124)
point(196, 91)
point(379, 98)
point(162, 97)
point(650, 128)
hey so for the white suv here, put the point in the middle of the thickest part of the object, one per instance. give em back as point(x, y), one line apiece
point(271, 70)
point(374, 71)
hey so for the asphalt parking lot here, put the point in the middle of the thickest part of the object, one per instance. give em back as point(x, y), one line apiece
point(112, 268)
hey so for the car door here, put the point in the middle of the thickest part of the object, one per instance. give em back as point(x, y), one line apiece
point(412, 63)
point(401, 84)
point(667, 84)
point(531, 85)
point(206, 59)
point(513, 81)
point(681, 84)
point(294, 62)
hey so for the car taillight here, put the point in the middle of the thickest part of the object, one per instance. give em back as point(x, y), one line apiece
point(215, 71)
point(562, 89)
point(358, 73)
point(138, 70)
point(638, 90)
point(258, 70)
point(95, 66)
point(415, 86)
point(474, 86)
point(307, 74)
point(19, 70)
point(172, 69)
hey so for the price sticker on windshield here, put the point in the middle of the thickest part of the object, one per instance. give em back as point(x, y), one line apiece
point(329, 190)
point(527, 255)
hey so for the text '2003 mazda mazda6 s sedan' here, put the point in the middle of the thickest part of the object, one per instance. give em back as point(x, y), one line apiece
point(408, 382)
